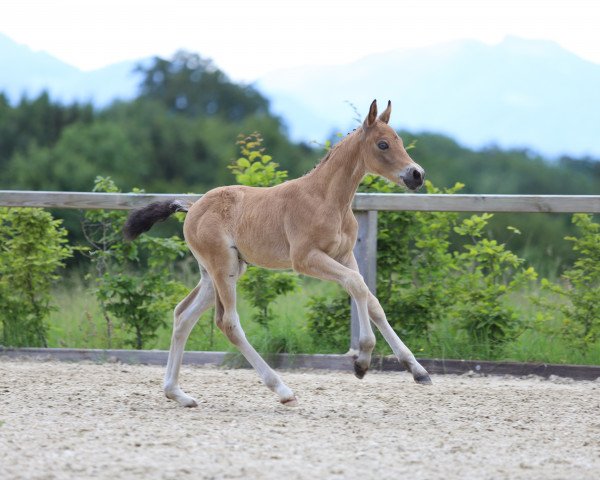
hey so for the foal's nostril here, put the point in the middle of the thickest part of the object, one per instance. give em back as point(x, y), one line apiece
point(413, 177)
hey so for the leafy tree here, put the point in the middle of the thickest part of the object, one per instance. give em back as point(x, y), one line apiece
point(194, 86)
point(179, 135)
point(38, 122)
point(33, 247)
point(82, 152)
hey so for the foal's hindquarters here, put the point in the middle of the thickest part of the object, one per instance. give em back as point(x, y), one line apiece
point(222, 295)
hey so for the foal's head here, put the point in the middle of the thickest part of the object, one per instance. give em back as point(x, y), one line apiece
point(384, 152)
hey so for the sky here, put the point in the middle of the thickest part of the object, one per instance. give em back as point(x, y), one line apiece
point(249, 38)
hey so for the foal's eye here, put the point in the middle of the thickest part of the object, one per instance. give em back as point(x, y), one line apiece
point(383, 145)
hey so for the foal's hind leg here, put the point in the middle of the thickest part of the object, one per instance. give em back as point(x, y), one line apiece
point(228, 320)
point(186, 315)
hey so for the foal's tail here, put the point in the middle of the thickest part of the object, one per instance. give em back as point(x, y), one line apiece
point(142, 219)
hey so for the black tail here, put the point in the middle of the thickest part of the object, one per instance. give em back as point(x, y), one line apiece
point(142, 219)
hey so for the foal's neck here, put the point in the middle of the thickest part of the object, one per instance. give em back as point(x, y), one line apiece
point(337, 177)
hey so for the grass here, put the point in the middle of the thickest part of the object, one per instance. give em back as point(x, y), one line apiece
point(78, 322)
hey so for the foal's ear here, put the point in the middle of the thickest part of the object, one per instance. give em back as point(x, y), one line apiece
point(385, 116)
point(372, 116)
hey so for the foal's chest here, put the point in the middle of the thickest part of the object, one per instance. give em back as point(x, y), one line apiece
point(338, 238)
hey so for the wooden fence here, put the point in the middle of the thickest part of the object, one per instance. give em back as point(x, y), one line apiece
point(365, 205)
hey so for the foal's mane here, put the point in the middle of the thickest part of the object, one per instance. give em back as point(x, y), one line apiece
point(331, 151)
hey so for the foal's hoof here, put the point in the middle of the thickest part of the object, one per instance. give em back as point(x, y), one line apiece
point(182, 399)
point(423, 380)
point(359, 370)
point(186, 402)
point(191, 403)
point(289, 402)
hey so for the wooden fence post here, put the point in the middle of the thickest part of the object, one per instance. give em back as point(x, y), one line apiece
point(365, 251)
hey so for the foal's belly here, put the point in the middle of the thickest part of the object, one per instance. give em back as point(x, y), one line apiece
point(266, 252)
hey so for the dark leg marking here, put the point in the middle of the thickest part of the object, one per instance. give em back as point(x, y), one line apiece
point(359, 371)
point(423, 380)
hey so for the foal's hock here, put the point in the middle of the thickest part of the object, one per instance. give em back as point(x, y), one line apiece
point(305, 224)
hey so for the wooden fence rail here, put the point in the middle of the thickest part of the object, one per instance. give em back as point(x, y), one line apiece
point(362, 201)
point(365, 205)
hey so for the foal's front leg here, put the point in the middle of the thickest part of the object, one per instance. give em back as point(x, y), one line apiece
point(401, 351)
point(320, 265)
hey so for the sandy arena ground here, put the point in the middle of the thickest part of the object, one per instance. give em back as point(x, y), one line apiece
point(84, 421)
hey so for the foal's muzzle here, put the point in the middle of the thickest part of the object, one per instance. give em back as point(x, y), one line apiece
point(413, 177)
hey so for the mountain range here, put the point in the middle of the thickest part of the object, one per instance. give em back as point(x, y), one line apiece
point(24, 72)
point(519, 93)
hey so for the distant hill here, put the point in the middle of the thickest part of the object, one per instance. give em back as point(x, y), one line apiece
point(520, 93)
point(25, 72)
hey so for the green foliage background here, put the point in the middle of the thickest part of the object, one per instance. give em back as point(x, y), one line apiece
point(179, 135)
point(32, 249)
point(453, 285)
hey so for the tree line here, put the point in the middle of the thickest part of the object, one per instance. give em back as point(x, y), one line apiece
point(179, 135)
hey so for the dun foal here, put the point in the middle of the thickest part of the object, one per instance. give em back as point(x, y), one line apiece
point(306, 224)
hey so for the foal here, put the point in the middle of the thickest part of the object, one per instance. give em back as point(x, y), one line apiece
point(306, 224)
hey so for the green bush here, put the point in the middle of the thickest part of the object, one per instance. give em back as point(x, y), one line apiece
point(33, 246)
point(133, 280)
point(414, 263)
point(261, 287)
point(578, 302)
point(329, 322)
point(486, 274)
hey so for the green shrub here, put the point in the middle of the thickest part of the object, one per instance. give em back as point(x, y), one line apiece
point(414, 263)
point(486, 274)
point(578, 303)
point(261, 287)
point(329, 322)
point(133, 280)
point(33, 246)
